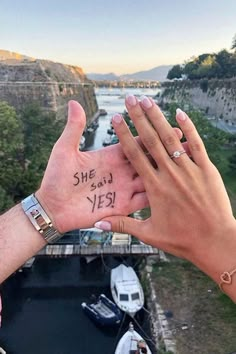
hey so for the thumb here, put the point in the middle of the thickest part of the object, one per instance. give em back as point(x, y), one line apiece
point(121, 224)
point(75, 124)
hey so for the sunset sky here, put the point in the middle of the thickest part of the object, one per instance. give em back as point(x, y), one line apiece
point(116, 36)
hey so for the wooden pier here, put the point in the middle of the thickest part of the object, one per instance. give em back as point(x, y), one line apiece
point(64, 250)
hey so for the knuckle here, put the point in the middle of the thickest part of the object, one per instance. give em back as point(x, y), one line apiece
point(150, 141)
point(121, 225)
point(169, 140)
point(138, 115)
point(196, 145)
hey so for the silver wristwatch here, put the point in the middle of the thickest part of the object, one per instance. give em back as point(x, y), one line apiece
point(40, 219)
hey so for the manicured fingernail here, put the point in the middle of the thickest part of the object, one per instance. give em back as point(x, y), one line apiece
point(117, 118)
point(131, 100)
point(180, 114)
point(146, 103)
point(103, 225)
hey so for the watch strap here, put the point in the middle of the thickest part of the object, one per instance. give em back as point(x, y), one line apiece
point(39, 219)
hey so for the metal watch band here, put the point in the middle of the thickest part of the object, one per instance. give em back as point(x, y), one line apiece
point(40, 219)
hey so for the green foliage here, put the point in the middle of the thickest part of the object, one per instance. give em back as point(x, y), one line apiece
point(208, 66)
point(25, 145)
point(234, 42)
point(11, 146)
point(232, 163)
point(175, 72)
point(213, 138)
point(40, 132)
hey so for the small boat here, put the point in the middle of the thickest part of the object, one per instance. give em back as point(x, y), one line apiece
point(114, 140)
point(126, 289)
point(103, 311)
point(102, 112)
point(107, 141)
point(2, 351)
point(132, 343)
point(29, 263)
point(110, 131)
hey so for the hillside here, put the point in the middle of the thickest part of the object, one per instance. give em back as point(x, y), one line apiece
point(159, 73)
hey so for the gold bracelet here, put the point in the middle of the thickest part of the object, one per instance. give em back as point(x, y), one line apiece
point(226, 278)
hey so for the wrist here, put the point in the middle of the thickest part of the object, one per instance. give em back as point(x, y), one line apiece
point(219, 256)
point(40, 218)
point(47, 206)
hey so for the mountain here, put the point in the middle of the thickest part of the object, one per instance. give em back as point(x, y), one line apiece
point(159, 73)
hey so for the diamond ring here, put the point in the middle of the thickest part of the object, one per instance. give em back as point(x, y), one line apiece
point(176, 154)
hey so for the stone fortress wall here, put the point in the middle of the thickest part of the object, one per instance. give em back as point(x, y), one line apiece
point(216, 98)
point(50, 84)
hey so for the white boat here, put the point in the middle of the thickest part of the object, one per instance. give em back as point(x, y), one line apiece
point(126, 289)
point(132, 343)
point(2, 351)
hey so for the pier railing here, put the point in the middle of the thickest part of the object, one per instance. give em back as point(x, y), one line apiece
point(96, 250)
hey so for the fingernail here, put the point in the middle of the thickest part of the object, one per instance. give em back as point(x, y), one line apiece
point(146, 103)
point(131, 100)
point(180, 114)
point(117, 118)
point(103, 225)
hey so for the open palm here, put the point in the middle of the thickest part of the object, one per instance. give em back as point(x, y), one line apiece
point(80, 188)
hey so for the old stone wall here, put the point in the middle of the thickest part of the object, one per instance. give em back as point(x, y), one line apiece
point(50, 84)
point(217, 98)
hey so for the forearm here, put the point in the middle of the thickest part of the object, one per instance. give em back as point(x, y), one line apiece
point(220, 257)
point(19, 241)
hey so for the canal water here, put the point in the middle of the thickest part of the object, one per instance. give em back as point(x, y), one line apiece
point(42, 306)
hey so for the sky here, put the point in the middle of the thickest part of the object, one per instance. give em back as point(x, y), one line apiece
point(117, 36)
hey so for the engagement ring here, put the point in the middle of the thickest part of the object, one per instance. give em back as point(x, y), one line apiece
point(177, 154)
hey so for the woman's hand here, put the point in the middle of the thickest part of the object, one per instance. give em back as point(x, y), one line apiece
point(191, 216)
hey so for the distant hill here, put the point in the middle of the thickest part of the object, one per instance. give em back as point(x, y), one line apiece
point(12, 57)
point(159, 73)
point(101, 77)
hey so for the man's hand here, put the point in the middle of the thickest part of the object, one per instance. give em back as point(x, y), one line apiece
point(80, 188)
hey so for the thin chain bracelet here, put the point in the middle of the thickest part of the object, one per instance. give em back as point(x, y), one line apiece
point(226, 278)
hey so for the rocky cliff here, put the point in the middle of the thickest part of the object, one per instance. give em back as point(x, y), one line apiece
point(216, 98)
point(24, 80)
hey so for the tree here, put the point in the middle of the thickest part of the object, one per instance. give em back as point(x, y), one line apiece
point(175, 72)
point(11, 146)
point(40, 132)
point(234, 43)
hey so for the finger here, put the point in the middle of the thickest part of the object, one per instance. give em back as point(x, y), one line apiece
point(166, 133)
point(75, 125)
point(122, 224)
point(133, 151)
point(146, 132)
point(178, 132)
point(195, 143)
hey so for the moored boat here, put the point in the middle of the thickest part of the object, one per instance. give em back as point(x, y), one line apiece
point(126, 289)
point(103, 311)
point(132, 343)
